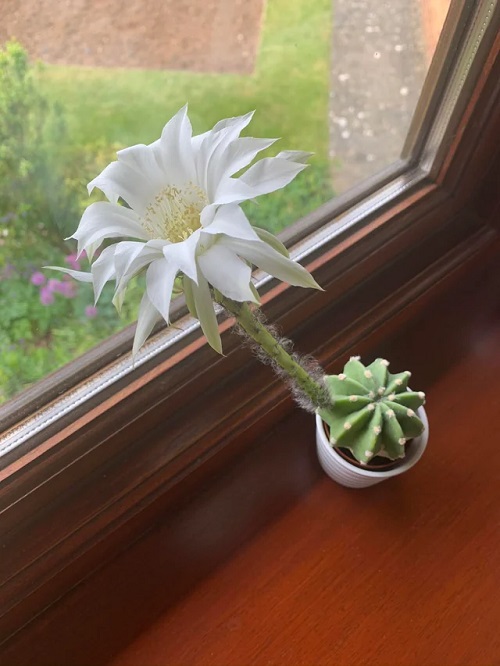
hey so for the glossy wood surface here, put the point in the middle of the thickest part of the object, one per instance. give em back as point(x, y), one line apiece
point(279, 565)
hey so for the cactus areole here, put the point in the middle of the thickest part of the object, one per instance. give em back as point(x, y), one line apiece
point(373, 413)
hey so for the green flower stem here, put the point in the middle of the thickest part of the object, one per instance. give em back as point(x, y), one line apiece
point(256, 330)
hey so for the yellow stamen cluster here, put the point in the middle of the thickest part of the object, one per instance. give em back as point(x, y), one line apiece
point(175, 212)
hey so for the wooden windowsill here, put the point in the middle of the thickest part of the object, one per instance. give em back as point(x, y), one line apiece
point(288, 568)
point(270, 562)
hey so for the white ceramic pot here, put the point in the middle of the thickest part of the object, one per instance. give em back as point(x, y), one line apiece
point(351, 476)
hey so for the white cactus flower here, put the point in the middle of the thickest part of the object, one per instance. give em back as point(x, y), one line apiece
point(182, 212)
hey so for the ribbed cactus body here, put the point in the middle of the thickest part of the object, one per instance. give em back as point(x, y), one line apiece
point(373, 413)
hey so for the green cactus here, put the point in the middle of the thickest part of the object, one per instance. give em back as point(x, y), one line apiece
point(372, 412)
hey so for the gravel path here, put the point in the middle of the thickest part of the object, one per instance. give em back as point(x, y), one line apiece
point(378, 68)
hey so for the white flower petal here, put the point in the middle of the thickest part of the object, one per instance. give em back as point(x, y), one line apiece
point(106, 220)
point(120, 180)
point(90, 249)
point(233, 190)
point(206, 314)
point(183, 255)
point(225, 271)
point(111, 231)
point(81, 276)
point(202, 152)
point(232, 221)
point(228, 159)
point(207, 215)
point(205, 145)
point(263, 177)
point(273, 262)
point(295, 155)
point(143, 160)
point(174, 151)
point(131, 256)
point(126, 255)
point(270, 174)
point(129, 263)
point(160, 282)
point(236, 124)
point(225, 130)
point(147, 318)
point(103, 270)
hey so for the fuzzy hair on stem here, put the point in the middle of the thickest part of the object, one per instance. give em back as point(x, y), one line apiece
point(307, 362)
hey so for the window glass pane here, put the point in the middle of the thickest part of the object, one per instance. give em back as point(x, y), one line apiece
point(84, 79)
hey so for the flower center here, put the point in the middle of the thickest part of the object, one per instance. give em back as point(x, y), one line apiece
point(175, 212)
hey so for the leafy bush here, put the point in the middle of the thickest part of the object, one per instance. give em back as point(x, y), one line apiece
point(34, 205)
point(42, 174)
point(48, 321)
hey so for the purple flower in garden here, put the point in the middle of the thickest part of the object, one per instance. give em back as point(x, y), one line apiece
point(91, 311)
point(72, 261)
point(67, 289)
point(37, 279)
point(46, 296)
point(54, 285)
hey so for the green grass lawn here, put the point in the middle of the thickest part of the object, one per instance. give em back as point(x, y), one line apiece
point(289, 88)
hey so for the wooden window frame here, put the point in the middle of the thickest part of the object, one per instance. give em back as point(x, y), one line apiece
point(93, 480)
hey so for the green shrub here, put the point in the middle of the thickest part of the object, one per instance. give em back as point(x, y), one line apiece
point(46, 325)
point(42, 175)
point(42, 195)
